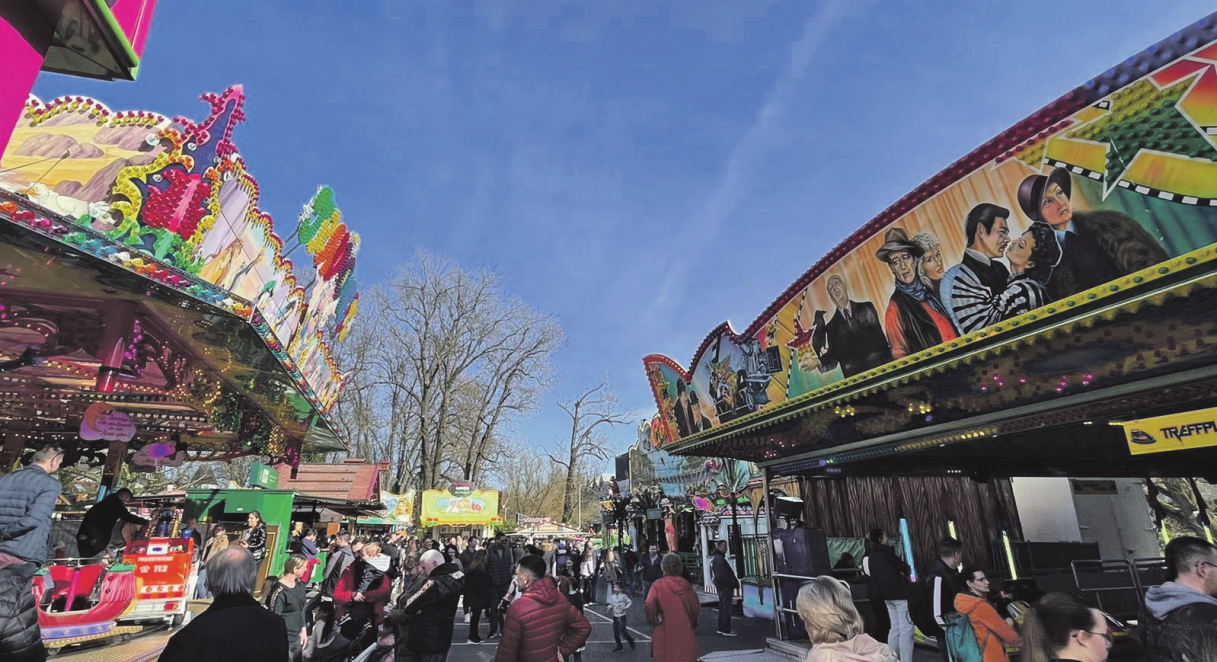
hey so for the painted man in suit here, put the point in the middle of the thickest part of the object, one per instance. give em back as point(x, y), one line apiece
point(853, 339)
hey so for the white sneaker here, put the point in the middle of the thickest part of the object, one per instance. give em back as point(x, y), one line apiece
point(467, 617)
point(726, 634)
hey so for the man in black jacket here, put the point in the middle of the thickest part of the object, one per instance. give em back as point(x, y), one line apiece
point(499, 565)
point(1186, 602)
point(651, 570)
point(235, 626)
point(725, 584)
point(432, 608)
point(97, 527)
point(943, 583)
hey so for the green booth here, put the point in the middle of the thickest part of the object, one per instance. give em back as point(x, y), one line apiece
point(279, 509)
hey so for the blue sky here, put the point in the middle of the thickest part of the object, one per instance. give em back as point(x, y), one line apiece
point(643, 171)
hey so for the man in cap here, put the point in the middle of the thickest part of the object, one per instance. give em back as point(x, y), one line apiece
point(915, 319)
point(1099, 246)
point(852, 339)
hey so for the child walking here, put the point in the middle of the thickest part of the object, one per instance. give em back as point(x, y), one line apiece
point(619, 606)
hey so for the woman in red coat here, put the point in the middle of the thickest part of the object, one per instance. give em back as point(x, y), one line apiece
point(672, 607)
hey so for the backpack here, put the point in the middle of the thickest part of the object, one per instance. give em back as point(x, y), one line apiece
point(961, 639)
point(921, 606)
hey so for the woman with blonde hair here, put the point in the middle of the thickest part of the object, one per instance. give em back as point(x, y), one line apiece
point(835, 626)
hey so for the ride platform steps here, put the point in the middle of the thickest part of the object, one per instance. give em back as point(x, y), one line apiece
point(142, 648)
point(755, 655)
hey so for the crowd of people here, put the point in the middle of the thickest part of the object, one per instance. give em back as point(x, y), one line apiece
point(1178, 620)
point(398, 598)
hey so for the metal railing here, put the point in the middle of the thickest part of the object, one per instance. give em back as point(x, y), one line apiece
point(755, 551)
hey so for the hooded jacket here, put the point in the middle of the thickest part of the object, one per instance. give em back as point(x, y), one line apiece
point(993, 633)
point(338, 561)
point(374, 599)
point(540, 624)
point(862, 648)
point(433, 609)
point(673, 608)
point(1174, 606)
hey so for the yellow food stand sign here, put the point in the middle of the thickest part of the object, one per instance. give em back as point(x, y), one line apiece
point(1193, 429)
point(473, 507)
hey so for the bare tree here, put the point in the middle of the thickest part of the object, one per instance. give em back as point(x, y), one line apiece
point(591, 414)
point(446, 361)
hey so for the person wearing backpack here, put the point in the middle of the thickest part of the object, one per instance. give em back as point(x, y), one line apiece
point(889, 580)
point(992, 633)
point(934, 595)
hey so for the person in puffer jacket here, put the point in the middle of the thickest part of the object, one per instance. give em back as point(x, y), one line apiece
point(27, 500)
point(541, 624)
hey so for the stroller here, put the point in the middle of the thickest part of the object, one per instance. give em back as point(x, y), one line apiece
point(371, 646)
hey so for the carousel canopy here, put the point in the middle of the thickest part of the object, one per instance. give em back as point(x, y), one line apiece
point(137, 271)
point(1059, 278)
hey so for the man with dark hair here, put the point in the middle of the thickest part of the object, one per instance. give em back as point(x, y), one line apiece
point(852, 339)
point(725, 585)
point(652, 571)
point(27, 500)
point(1098, 246)
point(915, 319)
point(499, 562)
point(1187, 601)
point(235, 626)
point(97, 527)
point(971, 289)
point(942, 583)
point(541, 624)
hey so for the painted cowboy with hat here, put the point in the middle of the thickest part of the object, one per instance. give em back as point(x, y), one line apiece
point(915, 319)
point(1098, 246)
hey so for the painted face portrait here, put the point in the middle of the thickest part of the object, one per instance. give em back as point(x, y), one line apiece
point(903, 266)
point(1055, 208)
point(1019, 252)
point(993, 242)
point(837, 291)
point(932, 264)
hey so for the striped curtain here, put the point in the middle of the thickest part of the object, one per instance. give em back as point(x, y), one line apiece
point(849, 507)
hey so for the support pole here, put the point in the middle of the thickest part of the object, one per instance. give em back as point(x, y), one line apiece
point(13, 445)
point(114, 463)
point(118, 325)
point(773, 581)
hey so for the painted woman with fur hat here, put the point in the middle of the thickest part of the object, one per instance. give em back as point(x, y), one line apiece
point(1099, 246)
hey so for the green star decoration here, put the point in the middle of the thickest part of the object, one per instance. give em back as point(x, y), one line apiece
point(1144, 117)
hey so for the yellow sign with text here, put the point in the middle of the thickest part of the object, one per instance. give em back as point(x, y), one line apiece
point(1193, 429)
point(464, 507)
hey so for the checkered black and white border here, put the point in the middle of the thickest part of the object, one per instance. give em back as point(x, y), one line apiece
point(1143, 190)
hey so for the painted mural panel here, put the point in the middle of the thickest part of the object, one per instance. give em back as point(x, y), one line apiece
point(179, 192)
point(1112, 180)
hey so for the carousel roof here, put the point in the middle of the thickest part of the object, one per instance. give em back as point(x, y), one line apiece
point(154, 223)
point(864, 366)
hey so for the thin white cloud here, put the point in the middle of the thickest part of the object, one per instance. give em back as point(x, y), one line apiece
point(749, 152)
